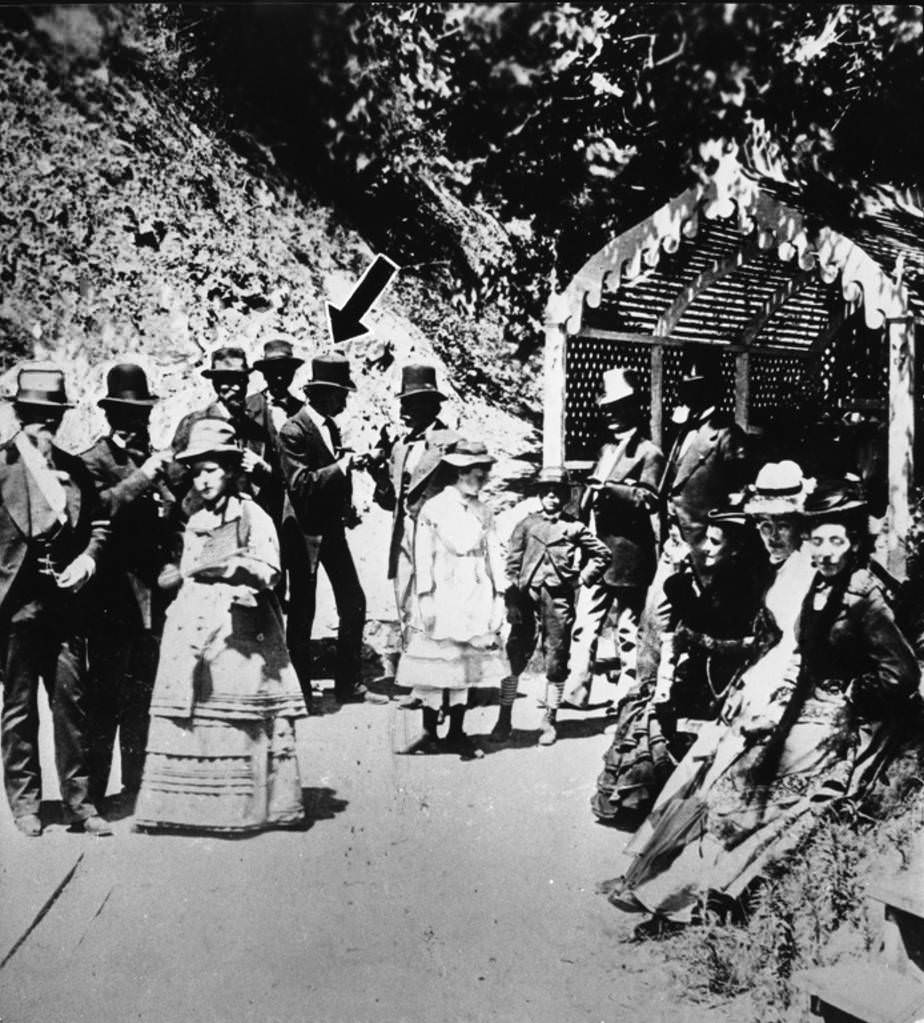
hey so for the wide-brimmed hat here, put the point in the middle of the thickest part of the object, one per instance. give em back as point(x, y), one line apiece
point(127, 387)
point(41, 387)
point(834, 498)
point(553, 474)
point(210, 437)
point(331, 371)
point(618, 385)
point(228, 360)
point(780, 489)
point(466, 453)
point(729, 515)
point(419, 379)
point(276, 355)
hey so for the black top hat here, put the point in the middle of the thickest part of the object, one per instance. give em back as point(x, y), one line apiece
point(419, 379)
point(44, 387)
point(331, 371)
point(276, 354)
point(834, 498)
point(701, 366)
point(127, 385)
point(228, 360)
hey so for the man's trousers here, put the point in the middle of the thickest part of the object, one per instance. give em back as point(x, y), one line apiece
point(123, 664)
point(597, 605)
point(335, 557)
point(41, 642)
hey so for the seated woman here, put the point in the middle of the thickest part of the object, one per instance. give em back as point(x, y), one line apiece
point(774, 504)
point(221, 747)
point(708, 643)
point(821, 736)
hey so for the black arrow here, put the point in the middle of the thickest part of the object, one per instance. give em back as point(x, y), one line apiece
point(347, 322)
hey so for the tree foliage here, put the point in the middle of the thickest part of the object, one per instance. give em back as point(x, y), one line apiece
point(560, 121)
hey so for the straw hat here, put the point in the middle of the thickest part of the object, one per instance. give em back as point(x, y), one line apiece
point(210, 437)
point(780, 489)
point(466, 453)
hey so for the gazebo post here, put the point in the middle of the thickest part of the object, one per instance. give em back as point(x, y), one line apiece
point(901, 440)
point(742, 389)
point(553, 392)
point(657, 395)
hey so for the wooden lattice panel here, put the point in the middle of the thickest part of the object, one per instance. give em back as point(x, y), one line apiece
point(779, 386)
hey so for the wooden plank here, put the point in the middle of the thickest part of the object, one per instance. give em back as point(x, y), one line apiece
point(901, 442)
point(773, 305)
point(671, 316)
point(673, 341)
point(657, 395)
point(904, 892)
point(553, 395)
point(865, 990)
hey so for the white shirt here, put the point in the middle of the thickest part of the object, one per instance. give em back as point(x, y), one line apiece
point(323, 428)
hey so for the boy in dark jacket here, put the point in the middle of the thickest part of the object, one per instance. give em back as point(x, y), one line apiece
point(550, 556)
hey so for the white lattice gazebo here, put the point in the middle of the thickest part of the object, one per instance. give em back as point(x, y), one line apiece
point(798, 315)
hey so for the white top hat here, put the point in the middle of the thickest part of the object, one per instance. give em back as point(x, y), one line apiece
point(616, 387)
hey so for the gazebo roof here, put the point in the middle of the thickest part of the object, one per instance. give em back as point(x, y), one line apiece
point(731, 262)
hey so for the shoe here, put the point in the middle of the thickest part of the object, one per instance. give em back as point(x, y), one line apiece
point(626, 901)
point(423, 745)
point(29, 824)
point(94, 825)
point(464, 746)
point(547, 733)
point(410, 703)
point(502, 730)
point(359, 694)
point(577, 699)
point(657, 927)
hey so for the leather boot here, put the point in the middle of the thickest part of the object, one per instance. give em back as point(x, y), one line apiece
point(504, 725)
point(427, 742)
point(456, 739)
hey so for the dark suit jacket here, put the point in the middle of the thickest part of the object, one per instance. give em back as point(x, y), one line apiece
point(403, 493)
point(140, 511)
point(714, 465)
point(88, 526)
point(319, 494)
point(629, 474)
point(554, 553)
point(273, 490)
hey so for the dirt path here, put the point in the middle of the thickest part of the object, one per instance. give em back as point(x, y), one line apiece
point(426, 889)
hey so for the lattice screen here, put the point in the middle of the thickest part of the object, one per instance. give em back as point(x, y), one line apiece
point(780, 385)
point(787, 393)
point(587, 359)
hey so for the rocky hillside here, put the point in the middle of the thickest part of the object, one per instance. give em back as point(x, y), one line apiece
point(130, 230)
